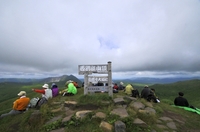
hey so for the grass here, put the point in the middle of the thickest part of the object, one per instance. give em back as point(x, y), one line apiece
point(99, 102)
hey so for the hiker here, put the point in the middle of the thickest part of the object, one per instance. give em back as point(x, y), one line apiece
point(115, 88)
point(46, 94)
point(152, 96)
point(128, 89)
point(180, 100)
point(145, 92)
point(70, 89)
point(20, 105)
point(121, 86)
point(135, 93)
point(55, 90)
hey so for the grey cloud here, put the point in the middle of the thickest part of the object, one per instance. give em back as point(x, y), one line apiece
point(54, 37)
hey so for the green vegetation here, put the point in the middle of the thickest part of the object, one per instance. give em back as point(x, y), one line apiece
point(98, 102)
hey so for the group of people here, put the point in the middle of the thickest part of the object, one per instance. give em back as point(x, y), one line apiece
point(23, 102)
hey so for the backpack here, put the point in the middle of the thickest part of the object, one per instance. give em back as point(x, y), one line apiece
point(40, 102)
point(33, 102)
point(135, 93)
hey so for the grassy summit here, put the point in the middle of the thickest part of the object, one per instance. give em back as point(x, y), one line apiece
point(95, 102)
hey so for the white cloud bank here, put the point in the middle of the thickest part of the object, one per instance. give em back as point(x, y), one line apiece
point(140, 38)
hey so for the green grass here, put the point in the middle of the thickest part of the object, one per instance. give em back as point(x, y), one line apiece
point(99, 102)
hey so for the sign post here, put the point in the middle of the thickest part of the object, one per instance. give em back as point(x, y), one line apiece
point(99, 69)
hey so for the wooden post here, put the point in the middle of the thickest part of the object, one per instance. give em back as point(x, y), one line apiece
point(110, 79)
point(85, 83)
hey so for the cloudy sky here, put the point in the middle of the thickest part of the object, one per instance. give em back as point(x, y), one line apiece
point(142, 38)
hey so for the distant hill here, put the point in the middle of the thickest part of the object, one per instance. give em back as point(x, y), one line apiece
point(61, 79)
point(18, 80)
point(150, 80)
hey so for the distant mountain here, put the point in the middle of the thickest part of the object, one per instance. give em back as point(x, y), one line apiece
point(18, 80)
point(61, 79)
point(160, 80)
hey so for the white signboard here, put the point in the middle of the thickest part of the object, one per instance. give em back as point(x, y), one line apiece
point(95, 79)
point(98, 88)
point(93, 69)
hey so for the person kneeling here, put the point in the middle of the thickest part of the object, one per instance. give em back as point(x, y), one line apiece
point(70, 90)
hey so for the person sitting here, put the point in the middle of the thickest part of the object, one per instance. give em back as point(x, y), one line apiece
point(19, 105)
point(70, 89)
point(145, 92)
point(135, 93)
point(46, 94)
point(115, 88)
point(180, 100)
point(128, 89)
point(55, 90)
point(152, 96)
point(121, 86)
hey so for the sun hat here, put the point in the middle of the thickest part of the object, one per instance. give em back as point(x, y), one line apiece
point(21, 93)
point(45, 86)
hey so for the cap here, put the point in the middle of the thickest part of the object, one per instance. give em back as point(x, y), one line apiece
point(21, 93)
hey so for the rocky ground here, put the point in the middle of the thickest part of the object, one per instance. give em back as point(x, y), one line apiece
point(168, 122)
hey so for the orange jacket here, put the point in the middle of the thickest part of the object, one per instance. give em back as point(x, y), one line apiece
point(21, 103)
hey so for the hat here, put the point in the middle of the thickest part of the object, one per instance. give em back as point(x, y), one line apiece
point(45, 86)
point(146, 86)
point(53, 84)
point(21, 93)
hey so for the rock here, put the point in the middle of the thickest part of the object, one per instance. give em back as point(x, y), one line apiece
point(120, 111)
point(120, 126)
point(130, 98)
point(100, 115)
point(172, 125)
point(137, 105)
point(70, 103)
point(82, 114)
point(140, 123)
point(150, 110)
point(119, 101)
point(149, 104)
point(161, 126)
point(106, 126)
point(67, 118)
point(57, 110)
point(164, 118)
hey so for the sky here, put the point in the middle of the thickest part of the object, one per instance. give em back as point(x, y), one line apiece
point(141, 38)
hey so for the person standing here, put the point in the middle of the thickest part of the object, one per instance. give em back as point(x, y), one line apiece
point(19, 105)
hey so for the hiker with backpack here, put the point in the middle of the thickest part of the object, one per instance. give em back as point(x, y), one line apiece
point(19, 105)
point(70, 89)
point(152, 96)
point(46, 94)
